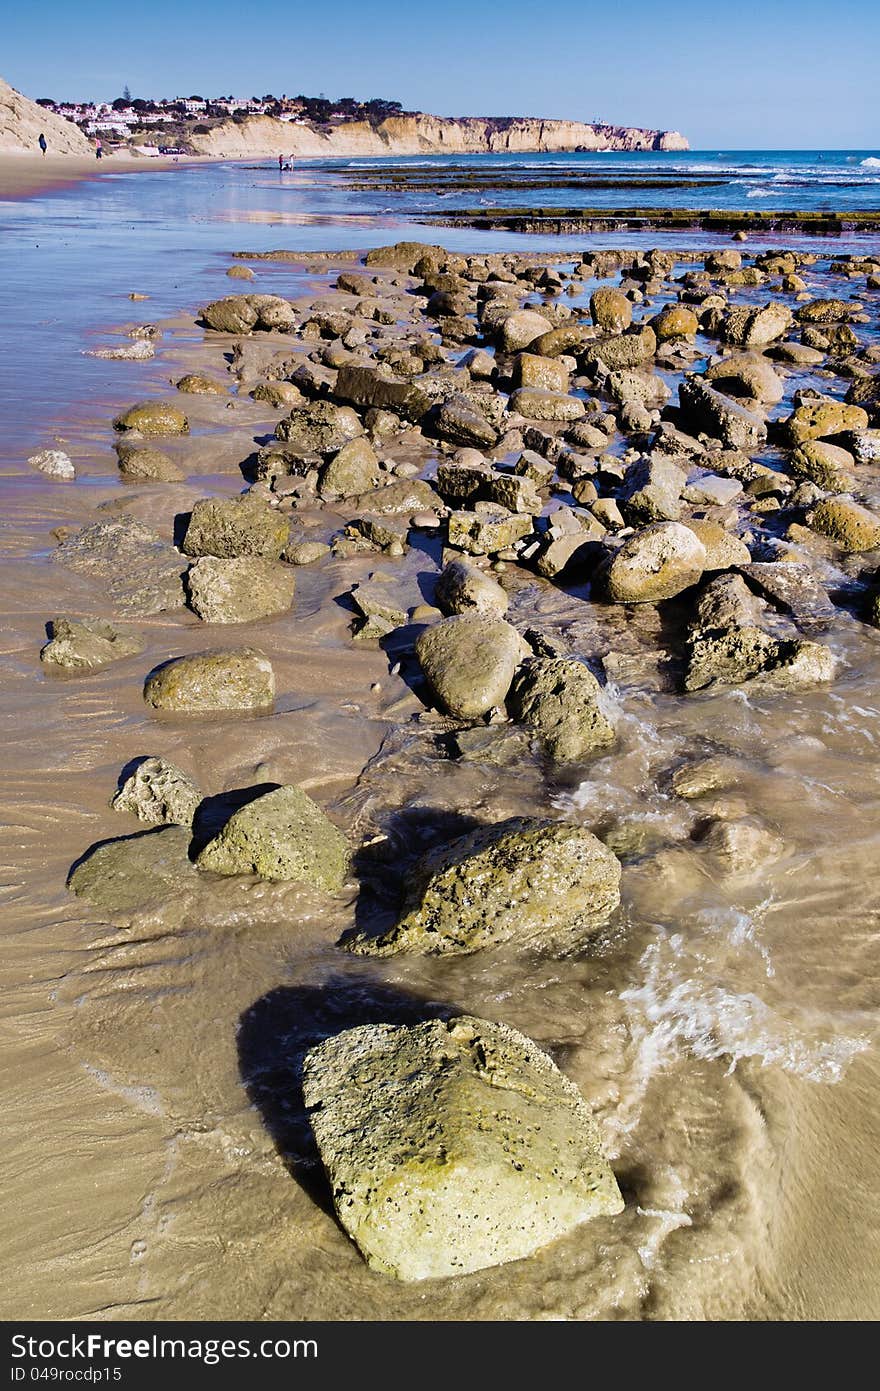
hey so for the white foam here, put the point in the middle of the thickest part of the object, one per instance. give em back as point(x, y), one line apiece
point(870, 163)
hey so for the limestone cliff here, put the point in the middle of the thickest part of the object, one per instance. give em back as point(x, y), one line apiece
point(262, 136)
point(22, 121)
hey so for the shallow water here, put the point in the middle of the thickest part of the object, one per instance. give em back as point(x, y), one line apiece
point(158, 1162)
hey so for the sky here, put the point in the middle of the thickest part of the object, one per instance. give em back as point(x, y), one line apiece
point(779, 74)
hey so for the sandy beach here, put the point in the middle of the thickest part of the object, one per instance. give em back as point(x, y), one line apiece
point(24, 175)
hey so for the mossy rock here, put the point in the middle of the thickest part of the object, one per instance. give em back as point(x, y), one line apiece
point(282, 835)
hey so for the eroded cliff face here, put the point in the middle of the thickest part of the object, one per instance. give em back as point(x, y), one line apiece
point(22, 121)
point(422, 134)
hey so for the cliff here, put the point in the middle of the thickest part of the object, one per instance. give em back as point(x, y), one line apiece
point(22, 121)
point(264, 136)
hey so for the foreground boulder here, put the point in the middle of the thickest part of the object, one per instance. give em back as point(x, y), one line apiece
point(139, 573)
point(235, 526)
point(282, 835)
point(561, 700)
point(87, 644)
point(453, 1145)
point(159, 792)
point(463, 588)
point(610, 309)
point(817, 417)
point(469, 661)
point(656, 563)
point(240, 590)
point(544, 886)
point(227, 679)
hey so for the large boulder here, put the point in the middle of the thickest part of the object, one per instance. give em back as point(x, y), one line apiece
point(674, 321)
point(369, 388)
point(719, 415)
point(239, 590)
point(352, 470)
point(750, 327)
point(652, 491)
point(320, 428)
point(282, 835)
point(153, 418)
point(226, 679)
point(87, 644)
point(816, 417)
point(452, 1145)
point(469, 661)
point(656, 563)
point(826, 465)
point(521, 328)
point(849, 525)
point(543, 886)
point(561, 700)
point(140, 574)
point(747, 374)
point(629, 349)
point(158, 792)
point(543, 373)
point(232, 314)
point(235, 526)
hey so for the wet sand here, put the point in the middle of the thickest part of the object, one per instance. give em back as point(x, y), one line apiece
point(25, 176)
point(157, 1162)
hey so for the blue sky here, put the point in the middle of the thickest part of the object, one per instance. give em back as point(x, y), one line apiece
point(777, 74)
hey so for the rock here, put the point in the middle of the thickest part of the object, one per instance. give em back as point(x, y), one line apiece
point(54, 463)
point(755, 328)
point(535, 404)
point(749, 375)
point(702, 775)
point(354, 469)
point(305, 552)
point(561, 700)
point(726, 602)
point(157, 791)
point(141, 350)
point(726, 647)
point(405, 495)
point(144, 465)
point(452, 1146)
point(521, 328)
point(140, 573)
point(229, 528)
point(136, 873)
point(610, 310)
point(239, 590)
point(282, 835)
point(630, 349)
point(864, 391)
point(637, 388)
point(543, 373)
point(487, 531)
point(711, 490)
point(722, 549)
point(234, 314)
point(850, 526)
point(370, 389)
point(675, 321)
point(651, 492)
point(790, 586)
point(567, 338)
point(225, 679)
point(458, 420)
point(816, 416)
point(544, 886)
point(153, 418)
point(239, 272)
point(657, 563)
point(469, 661)
point(194, 384)
point(463, 588)
point(742, 847)
point(799, 354)
point(825, 464)
point(87, 644)
point(319, 428)
point(825, 311)
point(279, 395)
point(718, 415)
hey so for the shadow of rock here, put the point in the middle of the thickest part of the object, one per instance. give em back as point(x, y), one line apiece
point(275, 1034)
point(213, 813)
point(181, 522)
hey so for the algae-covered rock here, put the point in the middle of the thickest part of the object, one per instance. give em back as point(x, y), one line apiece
point(463, 588)
point(232, 314)
point(153, 418)
point(541, 885)
point(322, 427)
point(747, 374)
point(236, 526)
point(282, 835)
point(469, 661)
point(159, 792)
point(86, 644)
point(226, 679)
point(239, 590)
point(488, 530)
point(136, 873)
point(144, 465)
point(452, 1146)
point(720, 415)
point(849, 525)
point(654, 564)
point(629, 349)
point(732, 656)
point(722, 548)
point(195, 384)
point(749, 327)
point(353, 469)
point(140, 573)
point(827, 465)
point(521, 328)
point(561, 700)
point(536, 404)
point(610, 309)
point(675, 321)
point(816, 417)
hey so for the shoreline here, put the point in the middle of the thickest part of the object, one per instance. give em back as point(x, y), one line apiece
point(28, 176)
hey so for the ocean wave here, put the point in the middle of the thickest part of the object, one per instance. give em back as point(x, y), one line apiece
point(872, 162)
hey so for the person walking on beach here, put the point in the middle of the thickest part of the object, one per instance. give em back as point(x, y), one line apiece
point(99, 149)
point(42, 143)
point(280, 164)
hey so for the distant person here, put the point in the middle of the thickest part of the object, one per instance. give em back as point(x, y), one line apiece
point(42, 144)
point(280, 164)
point(99, 150)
